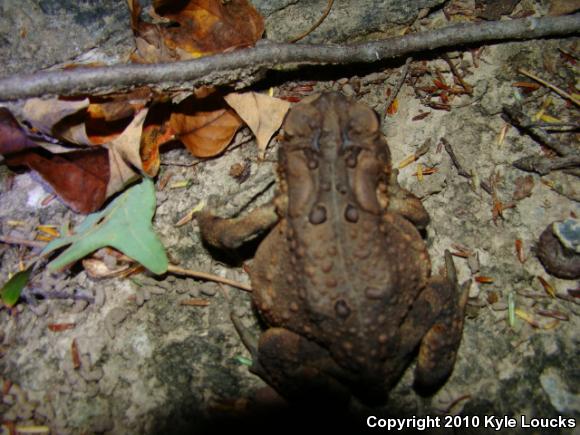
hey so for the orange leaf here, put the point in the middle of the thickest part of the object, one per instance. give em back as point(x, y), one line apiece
point(156, 132)
point(200, 27)
point(206, 126)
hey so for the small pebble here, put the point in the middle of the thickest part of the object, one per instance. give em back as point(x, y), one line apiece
point(113, 318)
point(78, 384)
point(8, 399)
point(181, 286)
point(44, 411)
point(342, 81)
point(152, 289)
point(92, 389)
point(79, 306)
point(499, 306)
point(194, 291)
point(375, 77)
point(102, 423)
point(85, 361)
point(60, 285)
point(473, 263)
point(25, 410)
point(18, 393)
point(117, 315)
point(11, 414)
point(99, 297)
point(146, 293)
point(240, 311)
point(40, 309)
point(348, 90)
point(139, 299)
point(208, 289)
point(473, 291)
point(94, 375)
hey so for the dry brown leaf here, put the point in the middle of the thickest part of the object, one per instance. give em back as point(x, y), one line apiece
point(79, 178)
point(124, 157)
point(13, 138)
point(524, 186)
point(206, 126)
point(50, 117)
point(200, 27)
point(119, 106)
point(262, 113)
point(98, 269)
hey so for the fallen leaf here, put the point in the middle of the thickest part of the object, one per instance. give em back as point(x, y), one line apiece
point(124, 157)
point(125, 224)
point(156, 132)
point(13, 138)
point(524, 186)
point(11, 290)
point(198, 27)
point(79, 178)
point(98, 269)
point(47, 115)
point(263, 114)
point(119, 106)
point(206, 126)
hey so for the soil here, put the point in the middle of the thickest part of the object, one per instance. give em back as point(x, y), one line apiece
point(152, 365)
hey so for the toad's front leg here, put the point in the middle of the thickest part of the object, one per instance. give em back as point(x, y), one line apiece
point(233, 232)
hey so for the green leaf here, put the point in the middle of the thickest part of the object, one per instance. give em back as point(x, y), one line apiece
point(11, 290)
point(124, 225)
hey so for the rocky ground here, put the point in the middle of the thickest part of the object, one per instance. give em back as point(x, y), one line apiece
point(151, 365)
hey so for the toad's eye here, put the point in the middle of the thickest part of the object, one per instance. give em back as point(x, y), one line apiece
point(302, 121)
point(362, 120)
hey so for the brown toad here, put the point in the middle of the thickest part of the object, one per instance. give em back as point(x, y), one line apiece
point(343, 279)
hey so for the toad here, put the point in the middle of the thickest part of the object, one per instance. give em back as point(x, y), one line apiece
point(343, 279)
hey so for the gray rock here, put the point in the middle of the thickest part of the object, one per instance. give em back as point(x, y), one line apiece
point(287, 19)
point(36, 35)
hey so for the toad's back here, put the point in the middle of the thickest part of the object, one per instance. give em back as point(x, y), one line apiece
point(343, 273)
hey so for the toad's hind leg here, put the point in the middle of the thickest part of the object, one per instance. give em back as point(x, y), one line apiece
point(299, 369)
point(439, 346)
point(442, 304)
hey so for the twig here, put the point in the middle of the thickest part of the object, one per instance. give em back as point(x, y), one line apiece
point(519, 119)
point(23, 242)
point(243, 66)
point(460, 170)
point(454, 159)
point(399, 83)
point(208, 277)
point(555, 88)
point(320, 20)
point(468, 88)
point(171, 268)
point(543, 165)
